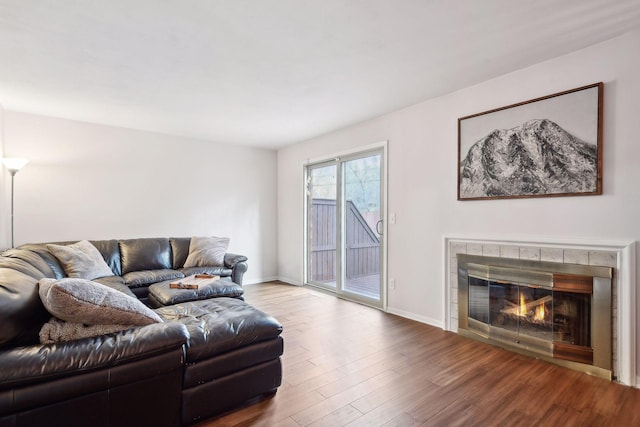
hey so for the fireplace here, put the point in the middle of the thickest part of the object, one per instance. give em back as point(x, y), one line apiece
point(553, 311)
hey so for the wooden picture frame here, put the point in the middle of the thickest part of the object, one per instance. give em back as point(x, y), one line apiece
point(546, 147)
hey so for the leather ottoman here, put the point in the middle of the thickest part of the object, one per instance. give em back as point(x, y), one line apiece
point(161, 294)
point(233, 354)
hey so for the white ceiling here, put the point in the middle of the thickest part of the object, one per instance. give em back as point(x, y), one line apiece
point(268, 73)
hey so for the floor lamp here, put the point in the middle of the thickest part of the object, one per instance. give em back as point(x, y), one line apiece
point(13, 165)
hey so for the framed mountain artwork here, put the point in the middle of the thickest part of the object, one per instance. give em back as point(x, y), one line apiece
point(545, 147)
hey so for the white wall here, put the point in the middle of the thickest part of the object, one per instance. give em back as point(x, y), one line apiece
point(87, 181)
point(5, 191)
point(423, 178)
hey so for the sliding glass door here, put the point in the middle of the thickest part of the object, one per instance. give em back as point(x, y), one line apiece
point(344, 226)
point(362, 226)
point(322, 228)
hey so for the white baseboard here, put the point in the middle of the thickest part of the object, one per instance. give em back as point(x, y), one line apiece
point(289, 281)
point(260, 280)
point(406, 314)
point(418, 318)
point(271, 279)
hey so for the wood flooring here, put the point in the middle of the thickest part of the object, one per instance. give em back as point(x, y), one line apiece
point(348, 364)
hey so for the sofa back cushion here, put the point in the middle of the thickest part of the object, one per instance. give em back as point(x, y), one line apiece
point(48, 257)
point(145, 254)
point(110, 251)
point(21, 311)
point(108, 248)
point(180, 250)
point(27, 262)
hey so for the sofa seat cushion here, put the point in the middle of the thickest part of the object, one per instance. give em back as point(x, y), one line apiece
point(109, 280)
point(214, 271)
point(161, 294)
point(146, 277)
point(37, 363)
point(117, 283)
point(220, 324)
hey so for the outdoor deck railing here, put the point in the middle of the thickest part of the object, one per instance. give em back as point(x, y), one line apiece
point(362, 243)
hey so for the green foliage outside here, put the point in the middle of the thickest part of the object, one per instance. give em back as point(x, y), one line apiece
point(362, 183)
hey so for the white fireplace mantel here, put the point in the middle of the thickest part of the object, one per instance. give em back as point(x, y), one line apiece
point(619, 255)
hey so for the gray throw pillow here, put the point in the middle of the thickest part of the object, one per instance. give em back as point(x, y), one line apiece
point(81, 260)
point(90, 303)
point(207, 251)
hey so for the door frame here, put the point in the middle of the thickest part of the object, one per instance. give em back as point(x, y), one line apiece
point(336, 157)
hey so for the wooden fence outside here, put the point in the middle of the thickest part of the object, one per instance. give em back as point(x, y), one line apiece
point(362, 243)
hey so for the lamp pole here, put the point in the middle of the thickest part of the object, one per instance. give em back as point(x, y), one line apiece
point(13, 174)
point(13, 165)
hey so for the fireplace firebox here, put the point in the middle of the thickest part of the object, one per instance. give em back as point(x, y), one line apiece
point(557, 312)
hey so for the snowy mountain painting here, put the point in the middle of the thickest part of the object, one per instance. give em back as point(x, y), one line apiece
point(537, 157)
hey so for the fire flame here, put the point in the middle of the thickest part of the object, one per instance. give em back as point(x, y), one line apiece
point(523, 306)
point(538, 314)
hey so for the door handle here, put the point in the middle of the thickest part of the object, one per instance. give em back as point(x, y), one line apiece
point(378, 224)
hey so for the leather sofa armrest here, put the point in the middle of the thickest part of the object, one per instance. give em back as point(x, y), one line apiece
point(237, 264)
point(230, 260)
point(37, 363)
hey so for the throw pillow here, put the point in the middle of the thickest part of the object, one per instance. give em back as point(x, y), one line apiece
point(81, 260)
point(83, 301)
point(207, 251)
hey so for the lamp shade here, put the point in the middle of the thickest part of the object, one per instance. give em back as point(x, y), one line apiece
point(14, 164)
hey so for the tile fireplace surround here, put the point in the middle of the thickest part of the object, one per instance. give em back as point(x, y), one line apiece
point(618, 255)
